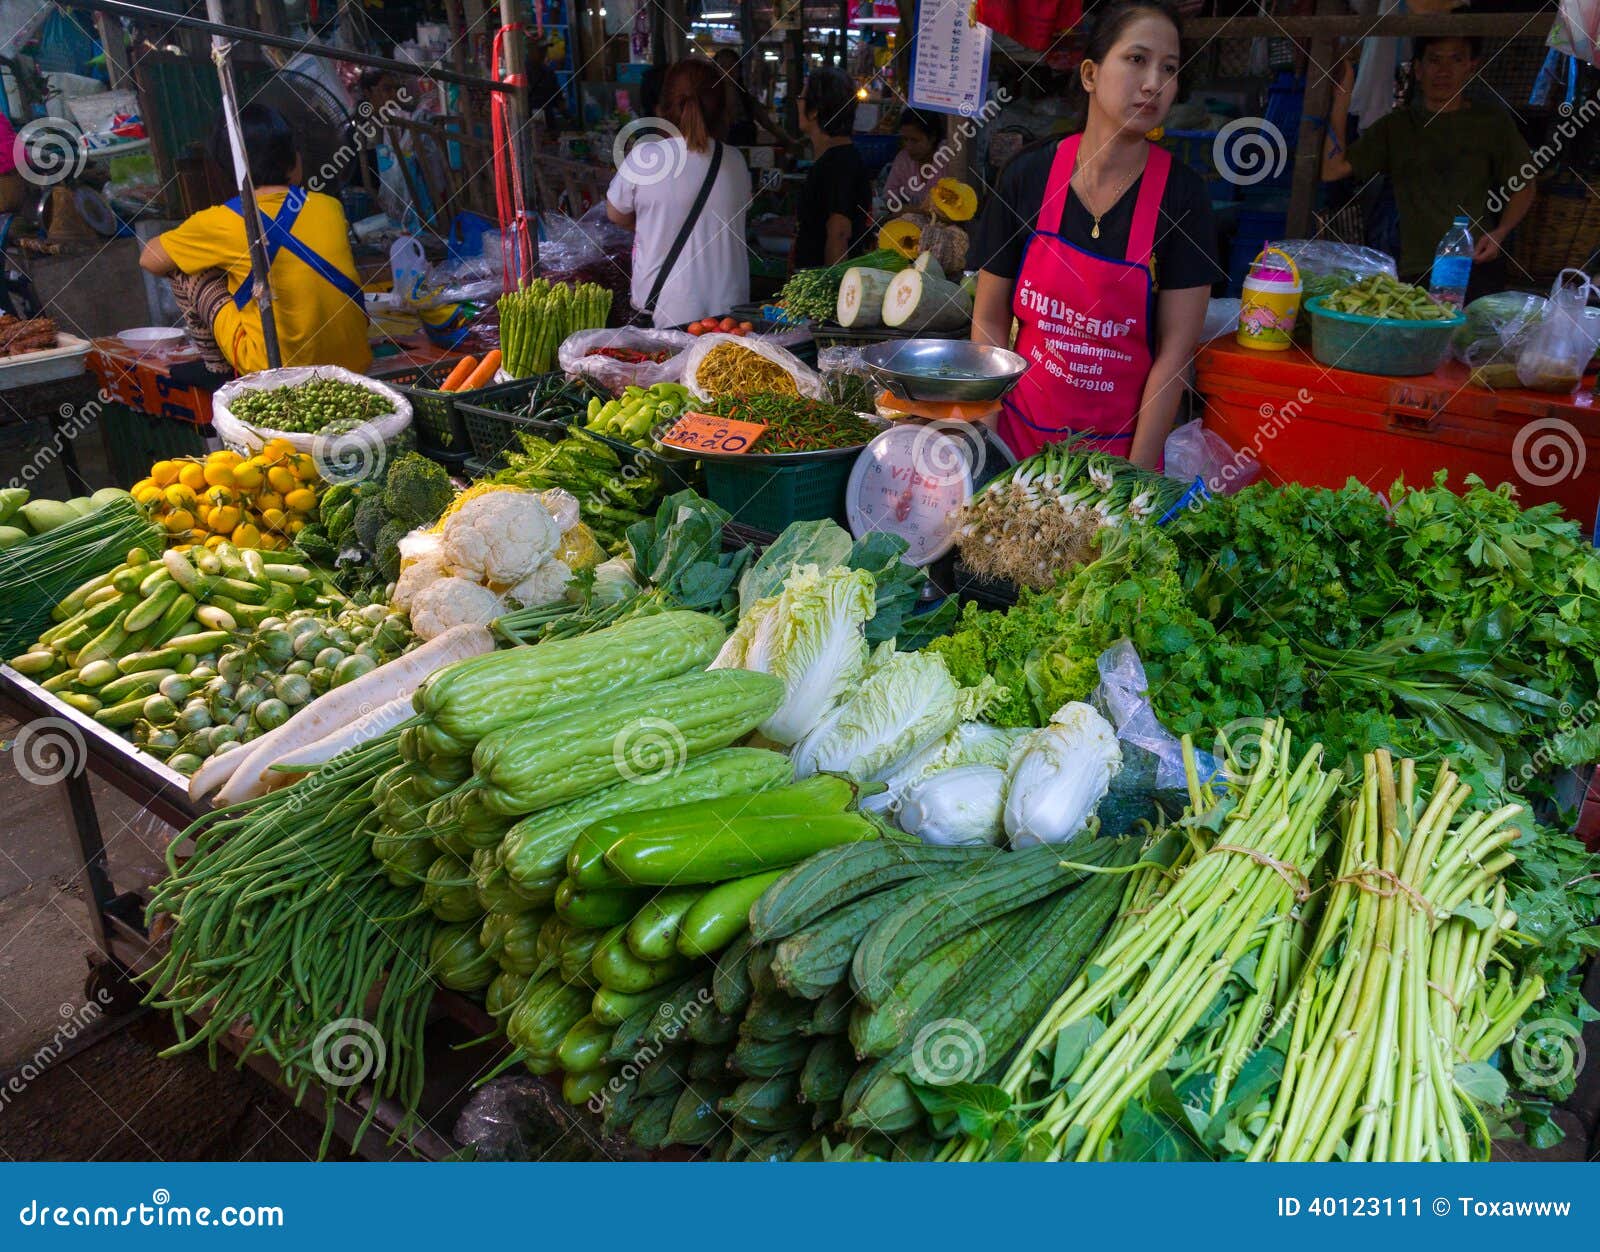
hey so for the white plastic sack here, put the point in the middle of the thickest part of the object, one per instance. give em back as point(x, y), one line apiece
point(345, 457)
point(1193, 452)
point(805, 378)
point(577, 359)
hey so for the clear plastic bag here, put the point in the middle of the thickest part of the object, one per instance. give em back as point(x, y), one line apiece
point(1334, 265)
point(578, 358)
point(1193, 452)
point(846, 379)
point(1561, 345)
point(1152, 780)
point(1497, 328)
point(344, 457)
point(807, 380)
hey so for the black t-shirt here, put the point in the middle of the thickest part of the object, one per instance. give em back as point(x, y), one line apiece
point(1186, 235)
point(837, 183)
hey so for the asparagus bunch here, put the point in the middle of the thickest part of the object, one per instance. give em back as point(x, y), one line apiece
point(535, 320)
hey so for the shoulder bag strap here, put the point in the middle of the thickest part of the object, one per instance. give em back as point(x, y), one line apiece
point(683, 235)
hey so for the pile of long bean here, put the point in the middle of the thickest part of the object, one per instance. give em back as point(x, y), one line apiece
point(794, 423)
point(285, 922)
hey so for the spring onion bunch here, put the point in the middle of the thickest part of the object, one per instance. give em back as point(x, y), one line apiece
point(284, 920)
point(1044, 514)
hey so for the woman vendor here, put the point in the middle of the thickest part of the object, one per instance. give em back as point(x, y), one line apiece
point(1102, 247)
point(1446, 154)
point(317, 305)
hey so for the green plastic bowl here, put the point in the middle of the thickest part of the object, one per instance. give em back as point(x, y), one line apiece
point(1378, 345)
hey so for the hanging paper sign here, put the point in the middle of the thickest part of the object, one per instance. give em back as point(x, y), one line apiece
point(700, 432)
point(950, 59)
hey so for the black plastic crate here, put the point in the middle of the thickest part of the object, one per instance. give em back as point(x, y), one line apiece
point(493, 432)
point(433, 412)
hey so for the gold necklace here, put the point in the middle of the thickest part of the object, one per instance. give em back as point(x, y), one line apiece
point(1095, 232)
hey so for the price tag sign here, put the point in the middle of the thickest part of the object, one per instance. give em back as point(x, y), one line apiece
point(700, 432)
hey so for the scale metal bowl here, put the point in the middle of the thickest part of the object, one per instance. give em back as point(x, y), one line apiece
point(943, 369)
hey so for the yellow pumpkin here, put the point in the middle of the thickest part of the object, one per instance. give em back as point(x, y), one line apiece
point(954, 200)
point(903, 236)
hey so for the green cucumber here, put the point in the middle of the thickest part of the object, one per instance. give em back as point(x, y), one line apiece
point(31, 663)
point(722, 914)
point(747, 846)
point(161, 658)
point(119, 715)
point(150, 612)
point(653, 933)
point(584, 1046)
point(612, 1008)
point(580, 1088)
point(96, 674)
point(616, 967)
point(595, 908)
point(126, 686)
point(81, 700)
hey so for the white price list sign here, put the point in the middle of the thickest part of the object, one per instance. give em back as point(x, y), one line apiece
point(950, 66)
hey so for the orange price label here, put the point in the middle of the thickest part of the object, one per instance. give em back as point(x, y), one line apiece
point(701, 432)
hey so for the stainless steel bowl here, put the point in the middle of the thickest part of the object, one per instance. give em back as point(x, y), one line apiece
point(943, 369)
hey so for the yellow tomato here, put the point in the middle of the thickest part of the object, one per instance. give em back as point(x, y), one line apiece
point(216, 541)
point(219, 475)
point(164, 473)
point(246, 535)
point(269, 500)
point(145, 491)
point(305, 467)
point(274, 543)
point(296, 525)
point(193, 476)
point(273, 519)
point(248, 475)
point(223, 456)
point(179, 496)
point(282, 479)
point(178, 522)
point(224, 519)
point(216, 496)
point(302, 500)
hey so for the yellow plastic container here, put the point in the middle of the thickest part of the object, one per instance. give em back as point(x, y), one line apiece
point(1269, 302)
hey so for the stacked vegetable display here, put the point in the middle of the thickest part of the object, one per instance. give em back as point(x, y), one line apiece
point(814, 294)
point(357, 531)
point(614, 494)
point(258, 501)
point(317, 406)
point(535, 320)
point(640, 415)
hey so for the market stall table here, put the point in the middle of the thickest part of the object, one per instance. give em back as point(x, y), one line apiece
point(1308, 423)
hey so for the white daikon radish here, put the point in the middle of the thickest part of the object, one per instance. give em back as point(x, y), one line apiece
point(333, 709)
point(353, 734)
point(916, 301)
point(928, 264)
point(861, 296)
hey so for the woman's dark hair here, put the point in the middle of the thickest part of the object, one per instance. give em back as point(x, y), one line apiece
point(1109, 21)
point(693, 100)
point(831, 96)
point(268, 145)
point(930, 124)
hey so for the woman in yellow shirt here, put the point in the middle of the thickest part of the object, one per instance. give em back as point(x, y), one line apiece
point(316, 298)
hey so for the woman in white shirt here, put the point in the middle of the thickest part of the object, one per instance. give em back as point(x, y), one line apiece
point(656, 191)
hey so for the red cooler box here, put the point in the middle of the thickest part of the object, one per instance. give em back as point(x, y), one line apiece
point(1307, 423)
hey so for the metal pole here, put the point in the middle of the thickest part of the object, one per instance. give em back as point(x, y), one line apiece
point(221, 50)
point(519, 120)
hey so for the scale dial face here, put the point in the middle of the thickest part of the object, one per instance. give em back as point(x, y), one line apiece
point(912, 481)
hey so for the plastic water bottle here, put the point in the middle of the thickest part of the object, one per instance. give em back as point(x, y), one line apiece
point(1452, 265)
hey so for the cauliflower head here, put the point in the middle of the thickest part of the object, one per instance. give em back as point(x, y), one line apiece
point(500, 538)
point(545, 585)
point(451, 601)
point(417, 574)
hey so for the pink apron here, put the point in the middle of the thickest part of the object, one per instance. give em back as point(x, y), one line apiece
point(1087, 323)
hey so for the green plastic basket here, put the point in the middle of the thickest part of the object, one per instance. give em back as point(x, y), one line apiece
point(769, 497)
point(1378, 345)
point(493, 417)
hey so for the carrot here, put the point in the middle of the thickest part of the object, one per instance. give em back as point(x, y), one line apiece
point(484, 374)
point(459, 375)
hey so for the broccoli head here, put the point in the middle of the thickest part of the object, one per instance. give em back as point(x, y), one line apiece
point(387, 548)
point(371, 517)
point(418, 490)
